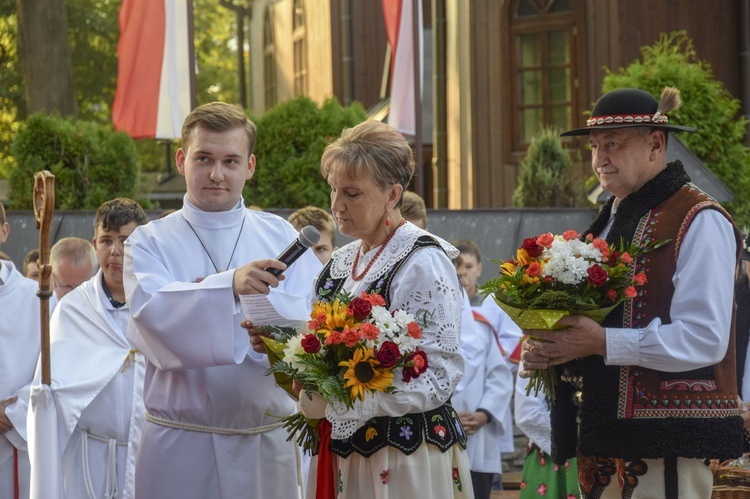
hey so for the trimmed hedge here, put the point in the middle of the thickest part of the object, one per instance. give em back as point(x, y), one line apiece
point(291, 140)
point(92, 163)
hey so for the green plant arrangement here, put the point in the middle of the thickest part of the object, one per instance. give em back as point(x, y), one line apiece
point(707, 105)
point(545, 178)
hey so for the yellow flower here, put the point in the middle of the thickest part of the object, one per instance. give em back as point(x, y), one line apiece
point(364, 373)
point(370, 434)
point(523, 257)
point(336, 317)
point(508, 268)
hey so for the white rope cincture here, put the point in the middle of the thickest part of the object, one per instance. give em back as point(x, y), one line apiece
point(178, 425)
point(110, 486)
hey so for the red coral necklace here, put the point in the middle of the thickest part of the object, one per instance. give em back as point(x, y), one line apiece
point(374, 258)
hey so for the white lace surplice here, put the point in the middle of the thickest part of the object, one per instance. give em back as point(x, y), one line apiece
point(427, 287)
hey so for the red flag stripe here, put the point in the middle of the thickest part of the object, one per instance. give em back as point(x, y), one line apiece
point(141, 53)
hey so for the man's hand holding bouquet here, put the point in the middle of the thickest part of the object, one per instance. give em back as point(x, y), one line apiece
point(553, 276)
point(351, 347)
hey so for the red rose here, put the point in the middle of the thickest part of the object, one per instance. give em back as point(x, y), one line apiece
point(532, 247)
point(597, 276)
point(416, 364)
point(311, 343)
point(359, 309)
point(613, 257)
point(388, 354)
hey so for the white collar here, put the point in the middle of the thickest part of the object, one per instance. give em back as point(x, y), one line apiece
point(212, 219)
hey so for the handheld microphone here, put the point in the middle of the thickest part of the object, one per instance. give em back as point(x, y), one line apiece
point(308, 237)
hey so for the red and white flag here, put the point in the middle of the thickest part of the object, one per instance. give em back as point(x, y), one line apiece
point(153, 94)
point(399, 28)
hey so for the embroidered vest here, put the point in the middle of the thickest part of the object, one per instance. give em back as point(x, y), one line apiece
point(631, 412)
point(742, 332)
point(440, 427)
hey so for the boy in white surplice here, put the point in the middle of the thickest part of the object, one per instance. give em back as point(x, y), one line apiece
point(83, 439)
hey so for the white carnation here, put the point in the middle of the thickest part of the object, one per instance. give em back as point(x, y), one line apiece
point(385, 322)
point(294, 348)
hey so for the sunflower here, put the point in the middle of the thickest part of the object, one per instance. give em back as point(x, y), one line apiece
point(364, 373)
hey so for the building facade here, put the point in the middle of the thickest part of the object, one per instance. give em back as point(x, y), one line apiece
point(500, 70)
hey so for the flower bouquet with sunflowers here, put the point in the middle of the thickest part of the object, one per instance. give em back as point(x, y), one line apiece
point(557, 275)
point(351, 347)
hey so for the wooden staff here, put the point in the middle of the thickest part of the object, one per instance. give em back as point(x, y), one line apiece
point(44, 207)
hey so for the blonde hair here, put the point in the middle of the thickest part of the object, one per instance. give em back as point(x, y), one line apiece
point(77, 251)
point(218, 117)
point(317, 217)
point(413, 207)
point(371, 148)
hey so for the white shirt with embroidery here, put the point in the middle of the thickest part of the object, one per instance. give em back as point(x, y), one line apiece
point(427, 287)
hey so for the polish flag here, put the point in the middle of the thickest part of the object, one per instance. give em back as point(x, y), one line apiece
point(400, 31)
point(153, 94)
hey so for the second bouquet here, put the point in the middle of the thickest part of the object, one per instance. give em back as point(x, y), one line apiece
point(557, 275)
point(352, 347)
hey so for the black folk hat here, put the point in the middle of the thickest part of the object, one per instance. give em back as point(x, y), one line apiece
point(631, 107)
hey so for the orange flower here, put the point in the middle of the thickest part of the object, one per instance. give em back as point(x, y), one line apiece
point(369, 331)
point(602, 246)
point(630, 292)
point(375, 299)
point(333, 338)
point(612, 294)
point(640, 279)
point(534, 269)
point(350, 337)
point(626, 258)
point(569, 235)
point(414, 330)
point(545, 239)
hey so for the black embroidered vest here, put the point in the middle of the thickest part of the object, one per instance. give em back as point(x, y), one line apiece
point(440, 427)
point(630, 412)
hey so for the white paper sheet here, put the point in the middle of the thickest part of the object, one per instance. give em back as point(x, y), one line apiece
point(276, 309)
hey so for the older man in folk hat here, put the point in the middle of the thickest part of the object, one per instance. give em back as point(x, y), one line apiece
point(650, 393)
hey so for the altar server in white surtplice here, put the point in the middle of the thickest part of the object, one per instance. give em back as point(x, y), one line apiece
point(19, 350)
point(483, 407)
point(84, 431)
point(212, 424)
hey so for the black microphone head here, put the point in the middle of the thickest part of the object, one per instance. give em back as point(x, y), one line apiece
point(309, 236)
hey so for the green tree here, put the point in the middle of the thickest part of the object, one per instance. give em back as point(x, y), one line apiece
point(707, 105)
point(291, 140)
point(91, 162)
point(93, 33)
point(545, 173)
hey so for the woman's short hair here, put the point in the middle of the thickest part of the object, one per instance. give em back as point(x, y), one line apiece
point(218, 117)
point(371, 148)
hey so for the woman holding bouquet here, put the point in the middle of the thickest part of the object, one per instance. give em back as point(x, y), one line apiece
point(408, 443)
